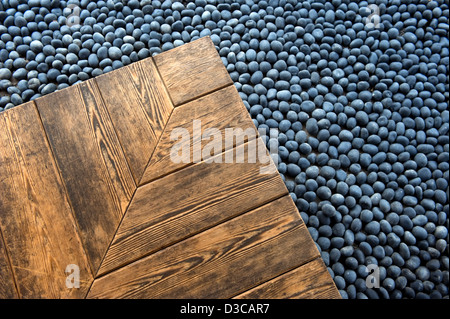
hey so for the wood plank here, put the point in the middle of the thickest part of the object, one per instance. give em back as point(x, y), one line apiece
point(310, 281)
point(36, 219)
point(219, 112)
point(139, 106)
point(192, 70)
point(93, 166)
point(191, 200)
point(7, 285)
point(220, 262)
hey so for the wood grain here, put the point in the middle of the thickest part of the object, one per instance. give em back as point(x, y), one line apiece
point(220, 262)
point(93, 166)
point(139, 107)
point(219, 112)
point(35, 216)
point(188, 201)
point(220, 224)
point(192, 70)
point(310, 281)
point(7, 285)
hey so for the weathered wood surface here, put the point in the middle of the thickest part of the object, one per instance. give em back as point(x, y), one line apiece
point(309, 281)
point(92, 164)
point(194, 70)
point(219, 262)
point(35, 216)
point(139, 106)
point(187, 202)
point(215, 113)
point(87, 179)
point(7, 285)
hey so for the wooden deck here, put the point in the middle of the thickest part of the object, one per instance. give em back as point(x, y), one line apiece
point(87, 179)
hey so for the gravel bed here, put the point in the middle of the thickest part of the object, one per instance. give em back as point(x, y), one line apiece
point(358, 91)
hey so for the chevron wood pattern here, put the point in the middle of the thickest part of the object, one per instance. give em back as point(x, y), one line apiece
point(103, 196)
